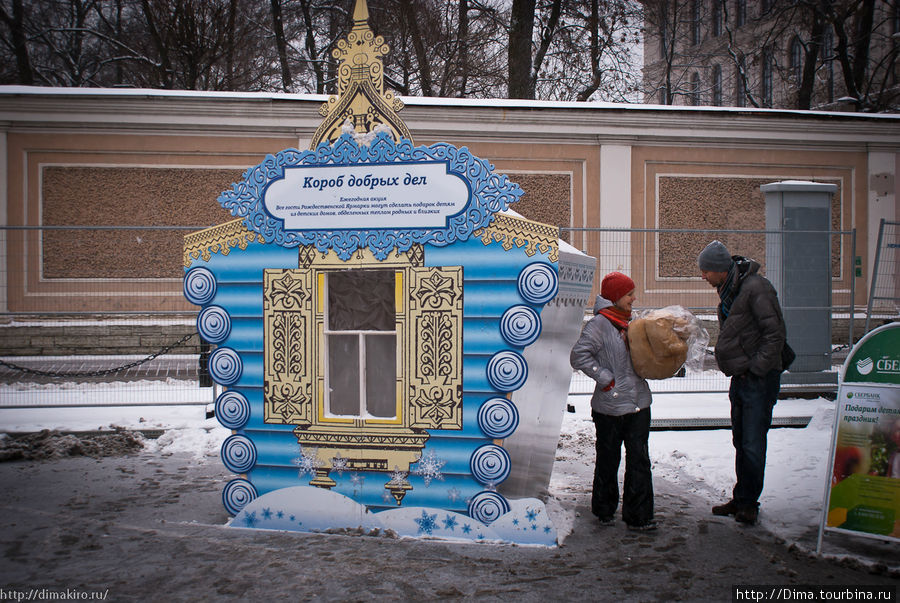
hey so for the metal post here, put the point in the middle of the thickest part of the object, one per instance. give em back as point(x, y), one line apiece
point(874, 272)
point(852, 283)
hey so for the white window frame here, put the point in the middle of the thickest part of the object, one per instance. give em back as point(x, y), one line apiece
point(362, 411)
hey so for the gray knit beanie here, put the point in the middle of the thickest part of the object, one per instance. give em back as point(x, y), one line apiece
point(715, 258)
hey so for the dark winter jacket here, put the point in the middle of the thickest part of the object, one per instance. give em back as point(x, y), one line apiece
point(601, 354)
point(752, 335)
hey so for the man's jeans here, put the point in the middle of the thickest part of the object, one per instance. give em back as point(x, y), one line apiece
point(633, 430)
point(752, 399)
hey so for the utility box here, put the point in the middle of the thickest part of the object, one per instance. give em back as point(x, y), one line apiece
point(799, 265)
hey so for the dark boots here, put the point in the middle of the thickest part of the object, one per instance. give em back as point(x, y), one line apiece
point(745, 515)
point(728, 508)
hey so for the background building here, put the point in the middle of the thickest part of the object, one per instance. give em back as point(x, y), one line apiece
point(794, 54)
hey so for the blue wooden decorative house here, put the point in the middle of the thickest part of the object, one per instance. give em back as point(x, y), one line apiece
point(391, 340)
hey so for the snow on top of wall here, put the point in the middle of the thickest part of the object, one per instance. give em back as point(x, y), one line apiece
point(12, 90)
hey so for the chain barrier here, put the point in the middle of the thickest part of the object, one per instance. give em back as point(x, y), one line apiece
point(101, 372)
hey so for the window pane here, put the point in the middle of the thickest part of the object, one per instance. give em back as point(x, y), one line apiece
point(381, 371)
point(343, 374)
point(361, 300)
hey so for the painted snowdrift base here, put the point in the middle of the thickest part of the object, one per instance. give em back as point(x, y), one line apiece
point(310, 509)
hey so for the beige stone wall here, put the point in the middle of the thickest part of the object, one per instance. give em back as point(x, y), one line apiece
point(710, 189)
point(113, 179)
point(126, 196)
point(97, 179)
point(719, 203)
point(129, 196)
point(547, 198)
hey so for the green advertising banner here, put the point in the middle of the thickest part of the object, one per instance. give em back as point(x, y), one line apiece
point(876, 358)
point(864, 491)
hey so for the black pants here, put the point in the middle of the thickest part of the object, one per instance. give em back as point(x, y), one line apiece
point(752, 401)
point(633, 430)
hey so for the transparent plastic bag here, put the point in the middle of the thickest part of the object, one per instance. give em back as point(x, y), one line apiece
point(663, 340)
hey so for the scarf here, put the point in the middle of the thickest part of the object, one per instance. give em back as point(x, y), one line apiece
point(617, 316)
point(728, 290)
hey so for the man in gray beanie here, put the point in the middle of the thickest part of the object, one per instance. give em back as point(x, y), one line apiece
point(748, 349)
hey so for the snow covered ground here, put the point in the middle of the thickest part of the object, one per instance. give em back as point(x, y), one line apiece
point(699, 461)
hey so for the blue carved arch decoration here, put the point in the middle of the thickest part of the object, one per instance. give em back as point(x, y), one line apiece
point(489, 193)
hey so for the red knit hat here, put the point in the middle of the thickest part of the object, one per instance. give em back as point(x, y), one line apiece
point(615, 285)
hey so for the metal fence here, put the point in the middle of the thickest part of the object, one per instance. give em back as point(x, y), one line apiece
point(884, 292)
point(663, 263)
point(96, 315)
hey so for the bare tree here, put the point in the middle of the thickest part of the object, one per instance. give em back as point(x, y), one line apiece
point(799, 54)
point(521, 33)
point(304, 33)
point(526, 56)
point(187, 44)
point(868, 79)
point(16, 42)
point(811, 46)
point(442, 49)
point(593, 54)
point(578, 49)
point(281, 44)
point(312, 50)
point(664, 20)
point(69, 48)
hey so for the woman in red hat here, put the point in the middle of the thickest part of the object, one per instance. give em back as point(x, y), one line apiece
point(620, 407)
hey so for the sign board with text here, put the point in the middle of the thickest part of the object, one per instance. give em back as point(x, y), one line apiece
point(863, 491)
point(386, 196)
point(401, 195)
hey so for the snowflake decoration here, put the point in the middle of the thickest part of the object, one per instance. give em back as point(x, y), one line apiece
point(454, 494)
point(466, 528)
point(398, 477)
point(386, 497)
point(357, 481)
point(449, 522)
point(339, 464)
point(531, 515)
point(267, 513)
point(280, 515)
point(250, 519)
point(429, 467)
point(308, 461)
point(427, 523)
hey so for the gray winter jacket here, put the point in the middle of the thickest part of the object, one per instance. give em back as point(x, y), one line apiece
point(601, 354)
point(752, 335)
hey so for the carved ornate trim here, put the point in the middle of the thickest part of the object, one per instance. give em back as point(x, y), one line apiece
point(435, 326)
point(533, 236)
point(370, 441)
point(287, 365)
point(429, 317)
point(361, 98)
point(217, 239)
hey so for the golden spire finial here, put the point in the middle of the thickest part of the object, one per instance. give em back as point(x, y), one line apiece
point(361, 12)
point(361, 98)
